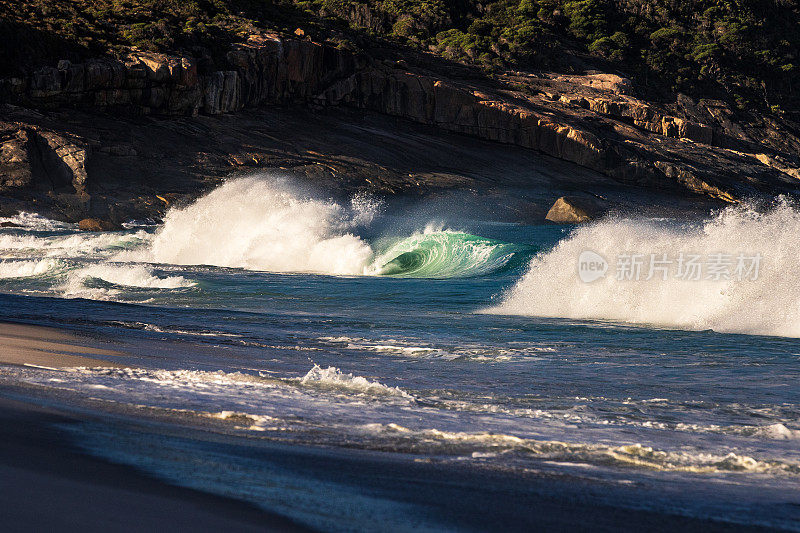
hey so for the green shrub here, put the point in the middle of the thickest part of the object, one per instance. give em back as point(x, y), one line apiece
point(746, 52)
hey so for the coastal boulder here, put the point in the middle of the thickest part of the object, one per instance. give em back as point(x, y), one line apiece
point(96, 224)
point(576, 210)
point(606, 82)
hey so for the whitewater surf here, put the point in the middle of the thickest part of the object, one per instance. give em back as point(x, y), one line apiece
point(764, 299)
point(258, 223)
point(267, 313)
point(268, 224)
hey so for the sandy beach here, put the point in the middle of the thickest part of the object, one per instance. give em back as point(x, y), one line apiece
point(49, 485)
point(22, 344)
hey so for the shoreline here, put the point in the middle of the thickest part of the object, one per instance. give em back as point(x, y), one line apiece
point(40, 462)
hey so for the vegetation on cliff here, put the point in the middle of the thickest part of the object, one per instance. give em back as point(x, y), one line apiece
point(36, 31)
point(745, 52)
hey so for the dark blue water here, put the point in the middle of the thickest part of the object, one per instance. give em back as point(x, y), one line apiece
point(417, 365)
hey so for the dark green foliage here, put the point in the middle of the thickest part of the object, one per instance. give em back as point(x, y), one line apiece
point(745, 51)
point(589, 19)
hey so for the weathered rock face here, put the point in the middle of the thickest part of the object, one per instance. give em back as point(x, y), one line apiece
point(265, 69)
point(38, 159)
point(610, 83)
point(598, 131)
point(63, 161)
point(15, 159)
point(594, 121)
point(460, 109)
point(576, 210)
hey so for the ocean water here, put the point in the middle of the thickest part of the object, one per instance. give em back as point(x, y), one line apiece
point(301, 319)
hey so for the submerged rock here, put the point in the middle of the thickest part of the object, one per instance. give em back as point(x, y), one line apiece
point(576, 210)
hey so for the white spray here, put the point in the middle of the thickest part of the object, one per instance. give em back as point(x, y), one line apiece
point(261, 224)
point(768, 305)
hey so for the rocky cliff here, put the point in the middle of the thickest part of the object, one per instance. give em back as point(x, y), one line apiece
point(595, 121)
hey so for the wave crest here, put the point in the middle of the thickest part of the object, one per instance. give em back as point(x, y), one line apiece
point(260, 223)
point(333, 378)
point(443, 254)
point(29, 268)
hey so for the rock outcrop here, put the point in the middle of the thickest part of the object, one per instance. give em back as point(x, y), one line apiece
point(140, 167)
point(576, 210)
point(15, 158)
point(265, 69)
point(43, 160)
point(63, 161)
point(594, 121)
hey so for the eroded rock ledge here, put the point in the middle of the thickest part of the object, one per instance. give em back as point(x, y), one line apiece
point(595, 121)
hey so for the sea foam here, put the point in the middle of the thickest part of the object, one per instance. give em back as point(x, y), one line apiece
point(28, 268)
point(129, 276)
point(334, 379)
point(35, 221)
point(767, 305)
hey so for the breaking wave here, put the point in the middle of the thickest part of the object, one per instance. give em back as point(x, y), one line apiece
point(443, 254)
point(129, 276)
point(71, 245)
point(766, 305)
point(334, 379)
point(266, 224)
point(261, 224)
point(13, 268)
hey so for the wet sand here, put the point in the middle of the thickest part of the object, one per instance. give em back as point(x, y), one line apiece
point(49, 486)
point(22, 344)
